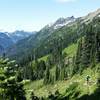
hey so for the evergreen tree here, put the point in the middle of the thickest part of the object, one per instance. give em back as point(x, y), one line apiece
point(97, 31)
point(57, 73)
point(87, 46)
point(47, 76)
point(11, 87)
point(77, 65)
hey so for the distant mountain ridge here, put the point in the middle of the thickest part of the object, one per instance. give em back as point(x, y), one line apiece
point(49, 32)
point(34, 40)
point(8, 39)
point(5, 40)
point(19, 35)
point(91, 15)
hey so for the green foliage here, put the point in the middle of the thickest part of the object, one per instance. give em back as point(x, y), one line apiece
point(57, 71)
point(88, 48)
point(60, 64)
point(78, 58)
point(47, 76)
point(10, 88)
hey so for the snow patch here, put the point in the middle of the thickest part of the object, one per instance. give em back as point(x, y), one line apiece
point(99, 15)
point(63, 24)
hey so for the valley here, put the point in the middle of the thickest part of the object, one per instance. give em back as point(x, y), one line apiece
point(59, 62)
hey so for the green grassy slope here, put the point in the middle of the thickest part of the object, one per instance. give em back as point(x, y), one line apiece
point(43, 90)
point(71, 50)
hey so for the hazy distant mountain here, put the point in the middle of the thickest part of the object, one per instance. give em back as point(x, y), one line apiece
point(19, 35)
point(1, 50)
point(8, 39)
point(5, 40)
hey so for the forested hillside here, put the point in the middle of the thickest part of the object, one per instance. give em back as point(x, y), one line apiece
point(61, 64)
point(69, 68)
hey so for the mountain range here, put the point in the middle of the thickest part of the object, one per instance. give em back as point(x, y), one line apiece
point(26, 45)
point(25, 42)
point(8, 39)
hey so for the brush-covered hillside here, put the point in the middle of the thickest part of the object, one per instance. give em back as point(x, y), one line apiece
point(61, 63)
point(69, 74)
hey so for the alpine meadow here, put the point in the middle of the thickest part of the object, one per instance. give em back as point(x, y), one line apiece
point(40, 60)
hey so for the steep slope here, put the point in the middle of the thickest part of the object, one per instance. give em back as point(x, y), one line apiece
point(63, 21)
point(42, 90)
point(77, 86)
point(26, 45)
point(91, 16)
point(43, 40)
point(66, 87)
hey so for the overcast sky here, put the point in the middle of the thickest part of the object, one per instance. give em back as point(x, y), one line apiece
point(32, 15)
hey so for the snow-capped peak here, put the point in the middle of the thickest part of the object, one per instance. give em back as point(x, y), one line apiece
point(63, 21)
